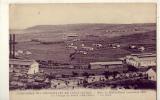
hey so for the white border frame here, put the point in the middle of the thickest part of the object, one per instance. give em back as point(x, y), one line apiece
point(4, 30)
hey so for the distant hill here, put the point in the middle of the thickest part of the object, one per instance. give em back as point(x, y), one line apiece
point(57, 32)
point(141, 38)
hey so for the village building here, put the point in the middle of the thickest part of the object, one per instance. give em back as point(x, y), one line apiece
point(151, 73)
point(141, 60)
point(70, 82)
point(23, 66)
point(96, 78)
point(88, 48)
point(97, 45)
point(74, 47)
point(71, 36)
point(58, 84)
point(78, 65)
point(106, 65)
point(83, 52)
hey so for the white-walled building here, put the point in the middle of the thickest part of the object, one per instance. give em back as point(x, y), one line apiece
point(152, 74)
point(141, 60)
point(23, 66)
point(88, 48)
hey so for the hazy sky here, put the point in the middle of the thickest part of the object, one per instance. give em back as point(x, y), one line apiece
point(27, 15)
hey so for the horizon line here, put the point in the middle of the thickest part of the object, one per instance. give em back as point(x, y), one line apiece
point(81, 23)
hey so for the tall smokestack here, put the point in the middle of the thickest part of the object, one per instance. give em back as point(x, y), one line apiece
point(13, 45)
point(10, 45)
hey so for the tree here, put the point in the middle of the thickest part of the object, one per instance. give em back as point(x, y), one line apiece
point(115, 73)
point(132, 69)
point(85, 74)
point(106, 74)
point(74, 74)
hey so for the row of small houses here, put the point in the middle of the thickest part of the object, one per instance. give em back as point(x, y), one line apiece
point(83, 81)
point(74, 82)
point(145, 60)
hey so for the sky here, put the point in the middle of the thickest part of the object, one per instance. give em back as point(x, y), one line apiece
point(22, 16)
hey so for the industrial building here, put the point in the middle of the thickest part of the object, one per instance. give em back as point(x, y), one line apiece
point(141, 60)
point(23, 66)
point(20, 65)
point(106, 65)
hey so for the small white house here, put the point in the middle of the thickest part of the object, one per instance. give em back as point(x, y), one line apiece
point(28, 53)
point(132, 46)
point(82, 45)
point(141, 48)
point(152, 74)
point(23, 66)
point(20, 51)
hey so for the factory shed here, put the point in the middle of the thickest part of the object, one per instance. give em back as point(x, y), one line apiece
point(143, 60)
point(106, 65)
point(23, 66)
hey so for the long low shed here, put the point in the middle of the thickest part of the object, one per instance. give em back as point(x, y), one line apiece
point(106, 65)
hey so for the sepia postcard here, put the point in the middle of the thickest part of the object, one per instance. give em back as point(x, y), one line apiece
point(68, 51)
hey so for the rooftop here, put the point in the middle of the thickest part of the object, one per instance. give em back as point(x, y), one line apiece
point(147, 56)
point(154, 69)
point(107, 63)
point(142, 55)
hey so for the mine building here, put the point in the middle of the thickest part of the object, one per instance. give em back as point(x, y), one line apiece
point(23, 66)
point(141, 60)
point(106, 65)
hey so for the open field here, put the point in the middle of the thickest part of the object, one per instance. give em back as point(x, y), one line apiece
point(56, 52)
point(88, 34)
point(109, 30)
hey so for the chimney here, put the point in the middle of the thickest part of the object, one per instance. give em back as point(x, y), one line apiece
point(10, 45)
point(13, 45)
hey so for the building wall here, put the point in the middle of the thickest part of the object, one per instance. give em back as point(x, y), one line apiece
point(92, 79)
point(34, 68)
point(58, 84)
point(141, 62)
point(97, 66)
point(132, 62)
point(28, 69)
point(151, 75)
point(148, 62)
point(115, 66)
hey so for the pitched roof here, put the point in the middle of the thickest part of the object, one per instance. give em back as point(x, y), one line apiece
point(152, 69)
point(107, 63)
point(21, 62)
point(142, 55)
